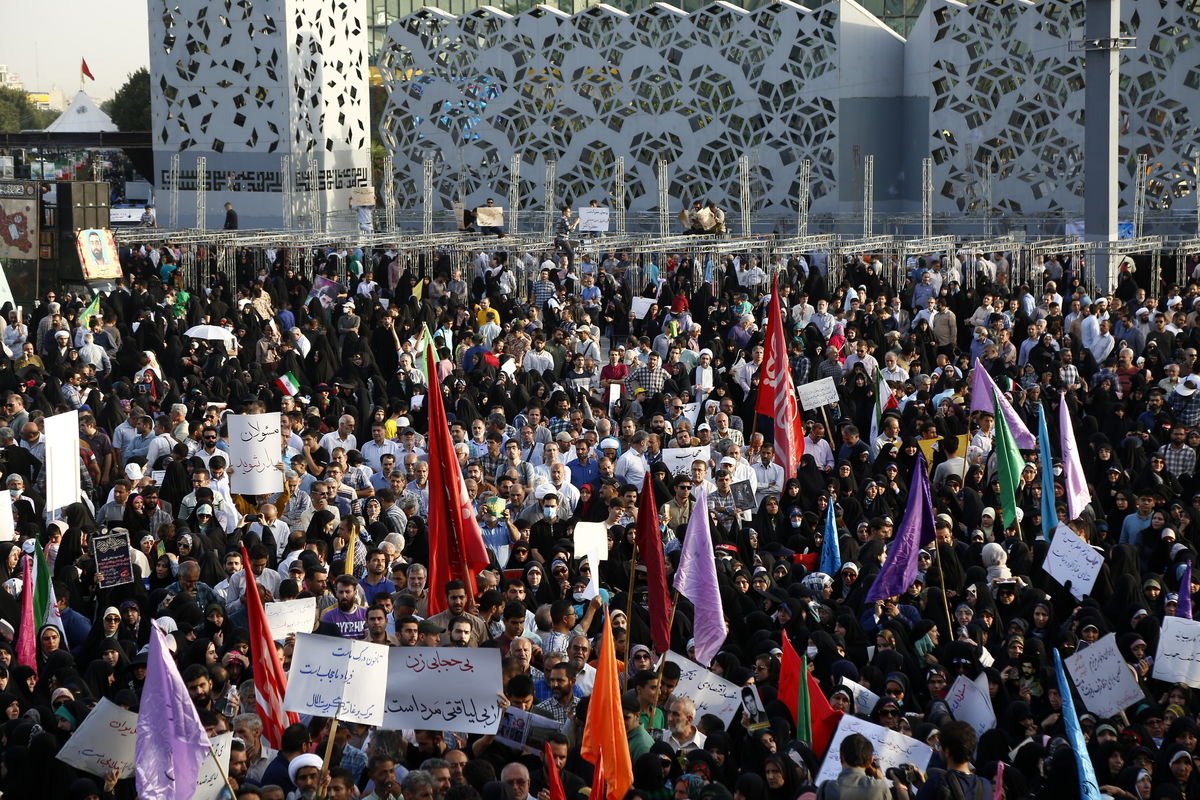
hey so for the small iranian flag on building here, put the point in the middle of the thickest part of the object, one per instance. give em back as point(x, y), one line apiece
point(288, 384)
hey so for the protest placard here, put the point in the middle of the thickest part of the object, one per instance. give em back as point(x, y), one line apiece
point(1104, 680)
point(336, 677)
point(113, 565)
point(8, 530)
point(679, 459)
point(1178, 656)
point(291, 616)
point(711, 693)
point(864, 698)
point(255, 453)
point(1072, 559)
point(591, 537)
point(521, 730)
point(362, 196)
point(61, 434)
point(489, 217)
point(891, 748)
point(971, 703)
point(638, 306)
point(743, 496)
point(453, 689)
point(594, 220)
point(210, 781)
point(106, 739)
point(817, 394)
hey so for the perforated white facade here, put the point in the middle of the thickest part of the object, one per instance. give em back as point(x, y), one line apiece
point(243, 82)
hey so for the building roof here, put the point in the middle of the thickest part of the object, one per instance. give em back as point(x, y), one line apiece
point(82, 116)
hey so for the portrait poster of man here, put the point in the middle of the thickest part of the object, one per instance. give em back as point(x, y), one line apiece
point(97, 254)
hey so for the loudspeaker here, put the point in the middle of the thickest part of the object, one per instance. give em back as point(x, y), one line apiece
point(82, 204)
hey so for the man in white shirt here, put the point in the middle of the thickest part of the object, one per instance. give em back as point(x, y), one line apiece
point(378, 446)
point(818, 447)
point(343, 437)
point(769, 475)
point(631, 467)
point(744, 373)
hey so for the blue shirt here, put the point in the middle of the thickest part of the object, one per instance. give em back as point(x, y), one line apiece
point(1132, 528)
point(371, 590)
point(582, 473)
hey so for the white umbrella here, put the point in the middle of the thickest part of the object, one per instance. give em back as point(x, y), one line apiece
point(210, 332)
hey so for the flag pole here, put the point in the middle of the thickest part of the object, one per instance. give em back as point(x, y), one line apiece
point(629, 601)
point(329, 747)
point(662, 662)
point(224, 774)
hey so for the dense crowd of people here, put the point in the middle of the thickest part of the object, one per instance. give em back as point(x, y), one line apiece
point(561, 401)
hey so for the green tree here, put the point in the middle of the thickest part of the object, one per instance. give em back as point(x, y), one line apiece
point(17, 113)
point(130, 106)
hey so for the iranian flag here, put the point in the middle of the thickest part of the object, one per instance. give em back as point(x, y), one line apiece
point(885, 400)
point(45, 604)
point(288, 384)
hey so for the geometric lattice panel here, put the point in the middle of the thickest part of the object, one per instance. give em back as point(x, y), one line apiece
point(698, 89)
point(1016, 110)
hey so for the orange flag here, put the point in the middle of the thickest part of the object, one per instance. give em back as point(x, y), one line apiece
point(604, 741)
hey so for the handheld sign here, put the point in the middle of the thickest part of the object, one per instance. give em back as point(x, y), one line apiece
point(594, 220)
point(679, 459)
point(891, 748)
point(291, 616)
point(1072, 559)
point(1178, 656)
point(336, 677)
point(105, 740)
point(818, 393)
point(113, 565)
point(210, 781)
point(1102, 677)
point(451, 689)
point(711, 693)
point(255, 453)
point(970, 703)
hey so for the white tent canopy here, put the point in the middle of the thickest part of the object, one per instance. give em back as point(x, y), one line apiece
point(82, 116)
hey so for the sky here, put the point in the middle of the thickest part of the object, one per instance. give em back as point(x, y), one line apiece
point(43, 41)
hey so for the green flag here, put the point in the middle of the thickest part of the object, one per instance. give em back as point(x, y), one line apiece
point(804, 708)
point(1008, 467)
point(93, 308)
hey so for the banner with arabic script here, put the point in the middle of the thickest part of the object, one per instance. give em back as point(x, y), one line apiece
point(255, 454)
point(443, 688)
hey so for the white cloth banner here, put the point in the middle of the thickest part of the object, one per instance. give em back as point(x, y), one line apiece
point(679, 459)
point(255, 453)
point(1178, 656)
point(891, 748)
point(106, 739)
point(1104, 680)
point(291, 616)
point(711, 693)
point(452, 689)
point(970, 702)
point(1072, 559)
point(62, 460)
point(209, 782)
point(336, 677)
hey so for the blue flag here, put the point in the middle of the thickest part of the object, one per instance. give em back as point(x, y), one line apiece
point(831, 554)
point(1049, 515)
point(1089, 788)
point(915, 531)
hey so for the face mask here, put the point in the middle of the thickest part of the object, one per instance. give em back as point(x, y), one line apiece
point(549, 513)
point(811, 651)
point(796, 523)
point(14, 493)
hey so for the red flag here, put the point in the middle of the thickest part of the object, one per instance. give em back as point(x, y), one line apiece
point(553, 781)
point(823, 718)
point(270, 684)
point(84, 71)
point(456, 549)
point(650, 553)
point(776, 393)
point(598, 779)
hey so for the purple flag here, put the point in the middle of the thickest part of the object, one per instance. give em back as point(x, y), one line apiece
point(1184, 609)
point(696, 579)
point(915, 531)
point(171, 742)
point(1076, 484)
point(982, 387)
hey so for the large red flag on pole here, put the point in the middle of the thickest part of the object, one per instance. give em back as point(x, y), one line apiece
point(777, 394)
point(84, 72)
point(456, 548)
point(270, 684)
point(650, 553)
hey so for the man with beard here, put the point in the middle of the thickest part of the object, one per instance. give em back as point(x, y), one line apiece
point(347, 618)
